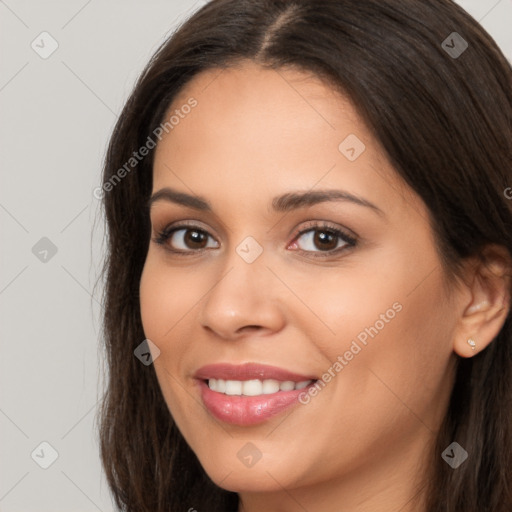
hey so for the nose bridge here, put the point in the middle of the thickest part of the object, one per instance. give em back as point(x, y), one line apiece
point(242, 295)
point(244, 266)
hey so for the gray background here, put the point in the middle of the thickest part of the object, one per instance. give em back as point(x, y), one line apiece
point(56, 116)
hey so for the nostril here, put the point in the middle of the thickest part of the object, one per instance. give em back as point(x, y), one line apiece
point(250, 328)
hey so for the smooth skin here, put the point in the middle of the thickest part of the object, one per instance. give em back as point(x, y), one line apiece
point(359, 444)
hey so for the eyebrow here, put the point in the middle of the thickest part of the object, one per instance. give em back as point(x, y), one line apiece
point(284, 203)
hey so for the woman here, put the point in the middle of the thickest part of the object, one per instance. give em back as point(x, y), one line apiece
point(308, 274)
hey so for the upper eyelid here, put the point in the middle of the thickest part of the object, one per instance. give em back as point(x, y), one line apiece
point(179, 225)
point(322, 224)
point(312, 225)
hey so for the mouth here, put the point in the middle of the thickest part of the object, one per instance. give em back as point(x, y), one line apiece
point(250, 393)
point(254, 387)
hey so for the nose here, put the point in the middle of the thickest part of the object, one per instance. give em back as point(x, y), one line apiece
point(243, 300)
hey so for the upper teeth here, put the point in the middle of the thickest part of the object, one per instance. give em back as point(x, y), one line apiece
point(254, 387)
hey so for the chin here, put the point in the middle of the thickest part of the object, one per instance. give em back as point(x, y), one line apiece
point(233, 475)
point(248, 480)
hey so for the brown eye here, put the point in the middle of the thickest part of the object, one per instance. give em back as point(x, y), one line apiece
point(185, 239)
point(322, 240)
point(325, 240)
point(194, 239)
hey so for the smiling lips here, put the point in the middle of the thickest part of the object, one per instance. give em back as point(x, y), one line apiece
point(251, 393)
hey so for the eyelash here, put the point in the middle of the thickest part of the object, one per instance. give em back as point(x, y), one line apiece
point(350, 241)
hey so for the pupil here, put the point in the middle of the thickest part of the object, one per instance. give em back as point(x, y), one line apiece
point(194, 237)
point(322, 236)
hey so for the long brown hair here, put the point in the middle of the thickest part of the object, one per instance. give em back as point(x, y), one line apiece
point(445, 121)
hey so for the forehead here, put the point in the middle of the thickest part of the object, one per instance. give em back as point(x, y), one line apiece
point(282, 91)
point(253, 125)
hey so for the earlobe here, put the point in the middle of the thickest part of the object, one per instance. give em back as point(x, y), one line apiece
point(472, 343)
point(488, 284)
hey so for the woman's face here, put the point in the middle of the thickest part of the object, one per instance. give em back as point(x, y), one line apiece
point(348, 291)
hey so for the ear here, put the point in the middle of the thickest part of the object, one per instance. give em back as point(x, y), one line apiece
point(487, 281)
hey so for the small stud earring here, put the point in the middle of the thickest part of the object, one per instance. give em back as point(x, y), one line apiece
point(472, 343)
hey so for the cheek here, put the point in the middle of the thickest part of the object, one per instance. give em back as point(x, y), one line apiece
point(392, 324)
point(165, 297)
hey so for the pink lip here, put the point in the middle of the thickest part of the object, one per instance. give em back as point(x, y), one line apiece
point(248, 410)
point(248, 371)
